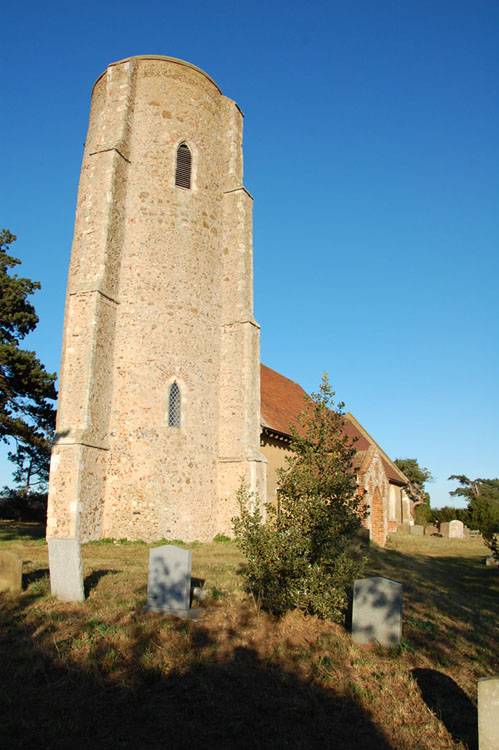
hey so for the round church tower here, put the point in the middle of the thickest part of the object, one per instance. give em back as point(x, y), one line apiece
point(159, 410)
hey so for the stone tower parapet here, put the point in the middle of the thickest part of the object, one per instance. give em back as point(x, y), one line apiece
point(160, 291)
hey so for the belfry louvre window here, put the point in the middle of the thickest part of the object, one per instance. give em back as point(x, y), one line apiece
point(184, 166)
point(174, 406)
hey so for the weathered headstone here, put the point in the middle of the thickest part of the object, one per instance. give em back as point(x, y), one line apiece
point(488, 713)
point(417, 530)
point(456, 529)
point(430, 529)
point(11, 572)
point(452, 529)
point(169, 581)
point(377, 611)
point(66, 570)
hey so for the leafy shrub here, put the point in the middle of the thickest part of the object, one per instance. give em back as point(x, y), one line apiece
point(304, 553)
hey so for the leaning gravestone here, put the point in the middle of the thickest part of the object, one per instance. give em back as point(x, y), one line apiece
point(169, 582)
point(377, 611)
point(66, 570)
point(11, 572)
point(488, 713)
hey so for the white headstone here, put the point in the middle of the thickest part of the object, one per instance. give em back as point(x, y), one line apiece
point(377, 611)
point(456, 529)
point(66, 570)
point(169, 582)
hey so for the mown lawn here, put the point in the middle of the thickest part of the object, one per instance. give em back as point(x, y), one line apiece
point(104, 674)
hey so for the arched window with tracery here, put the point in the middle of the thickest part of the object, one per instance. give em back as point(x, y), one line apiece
point(174, 406)
point(184, 167)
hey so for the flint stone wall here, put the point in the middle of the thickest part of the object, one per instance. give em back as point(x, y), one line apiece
point(160, 289)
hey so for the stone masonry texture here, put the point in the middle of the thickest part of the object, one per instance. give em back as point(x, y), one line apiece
point(160, 290)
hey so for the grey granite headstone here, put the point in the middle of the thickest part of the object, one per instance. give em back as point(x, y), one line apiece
point(11, 572)
point(169, 581)
point(66, 570)
point(417, 530)
point(488, 713)
point(377, 611)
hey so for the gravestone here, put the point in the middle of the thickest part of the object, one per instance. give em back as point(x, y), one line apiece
point(169, 582)
point(417, 530)
point(377, 611)
point(11, 572)
point(430, 529)
point(452, 529)
point(66, 570)
point(488, 713)
point(456, 529)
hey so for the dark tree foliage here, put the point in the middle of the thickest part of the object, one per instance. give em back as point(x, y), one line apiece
point(447, 513)
point(417, 476)
point(483, 507)
point(304, 555)
point(27, 390)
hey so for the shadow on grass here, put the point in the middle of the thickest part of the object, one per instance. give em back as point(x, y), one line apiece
point(450, 704)
point(225, 701)
point(93, 579)
point(18, 531)
point(447, 601)
point(34, 576)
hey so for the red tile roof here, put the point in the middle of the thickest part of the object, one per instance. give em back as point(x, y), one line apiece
point(282, 400)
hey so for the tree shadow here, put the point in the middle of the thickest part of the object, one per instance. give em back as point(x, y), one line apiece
point(92, 579)
point(446, 601)
point(450, 704)
point(237, 699)
point(34, 575)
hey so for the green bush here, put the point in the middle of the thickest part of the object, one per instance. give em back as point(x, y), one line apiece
point(304, 553)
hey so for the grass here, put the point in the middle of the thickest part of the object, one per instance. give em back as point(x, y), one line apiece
point(106, 674)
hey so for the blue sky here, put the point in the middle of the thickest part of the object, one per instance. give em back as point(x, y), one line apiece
point(371, 149)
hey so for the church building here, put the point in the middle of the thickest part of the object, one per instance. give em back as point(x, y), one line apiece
point(160, 388)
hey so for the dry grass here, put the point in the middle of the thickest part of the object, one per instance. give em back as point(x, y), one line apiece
point(105, 674)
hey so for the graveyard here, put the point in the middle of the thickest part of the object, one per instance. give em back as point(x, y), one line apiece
point(237, 676)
